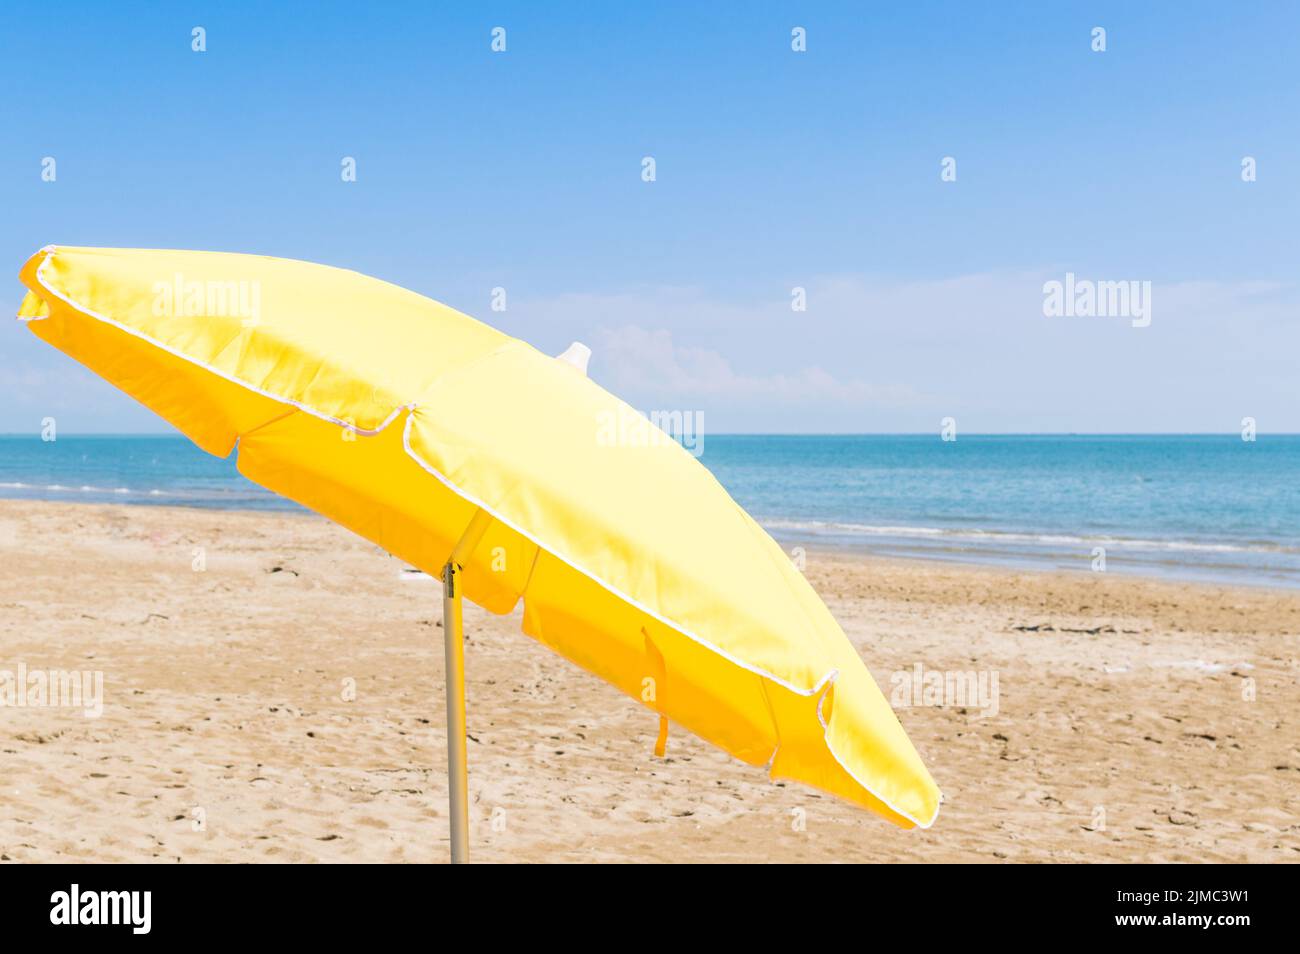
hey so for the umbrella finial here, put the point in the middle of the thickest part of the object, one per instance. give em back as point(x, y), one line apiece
point(576, 354)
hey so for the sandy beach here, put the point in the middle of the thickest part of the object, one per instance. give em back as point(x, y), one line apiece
point(273, 692)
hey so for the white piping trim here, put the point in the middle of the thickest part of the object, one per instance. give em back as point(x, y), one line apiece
point(48, 250)
point(821, 685)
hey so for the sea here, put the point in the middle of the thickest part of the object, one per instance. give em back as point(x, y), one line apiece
point(1195, 507)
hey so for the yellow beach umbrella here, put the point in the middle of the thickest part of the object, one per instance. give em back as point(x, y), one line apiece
point(507, 472)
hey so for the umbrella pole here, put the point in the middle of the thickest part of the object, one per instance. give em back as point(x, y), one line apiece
point(453, 641)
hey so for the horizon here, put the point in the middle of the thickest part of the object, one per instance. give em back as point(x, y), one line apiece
point(809, 434)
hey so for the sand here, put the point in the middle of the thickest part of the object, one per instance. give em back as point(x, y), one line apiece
point(284, 703)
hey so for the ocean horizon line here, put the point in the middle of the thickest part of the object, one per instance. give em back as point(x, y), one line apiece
point(928, 434)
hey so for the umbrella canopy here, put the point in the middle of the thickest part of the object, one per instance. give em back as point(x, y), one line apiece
point(409, 423)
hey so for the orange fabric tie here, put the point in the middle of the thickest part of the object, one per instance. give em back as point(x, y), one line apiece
point(660, 680)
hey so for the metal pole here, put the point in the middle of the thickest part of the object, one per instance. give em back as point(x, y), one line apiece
point(453, 641)
point(457, 769)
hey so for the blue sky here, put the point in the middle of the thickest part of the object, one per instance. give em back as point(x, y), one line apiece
point(775, 169)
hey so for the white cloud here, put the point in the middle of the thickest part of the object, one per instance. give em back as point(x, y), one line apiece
point(882, 354)
point(635, 360)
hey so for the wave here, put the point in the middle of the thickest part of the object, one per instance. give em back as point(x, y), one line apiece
point(1032, 539)
point(213, 495)
point(86, 489)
